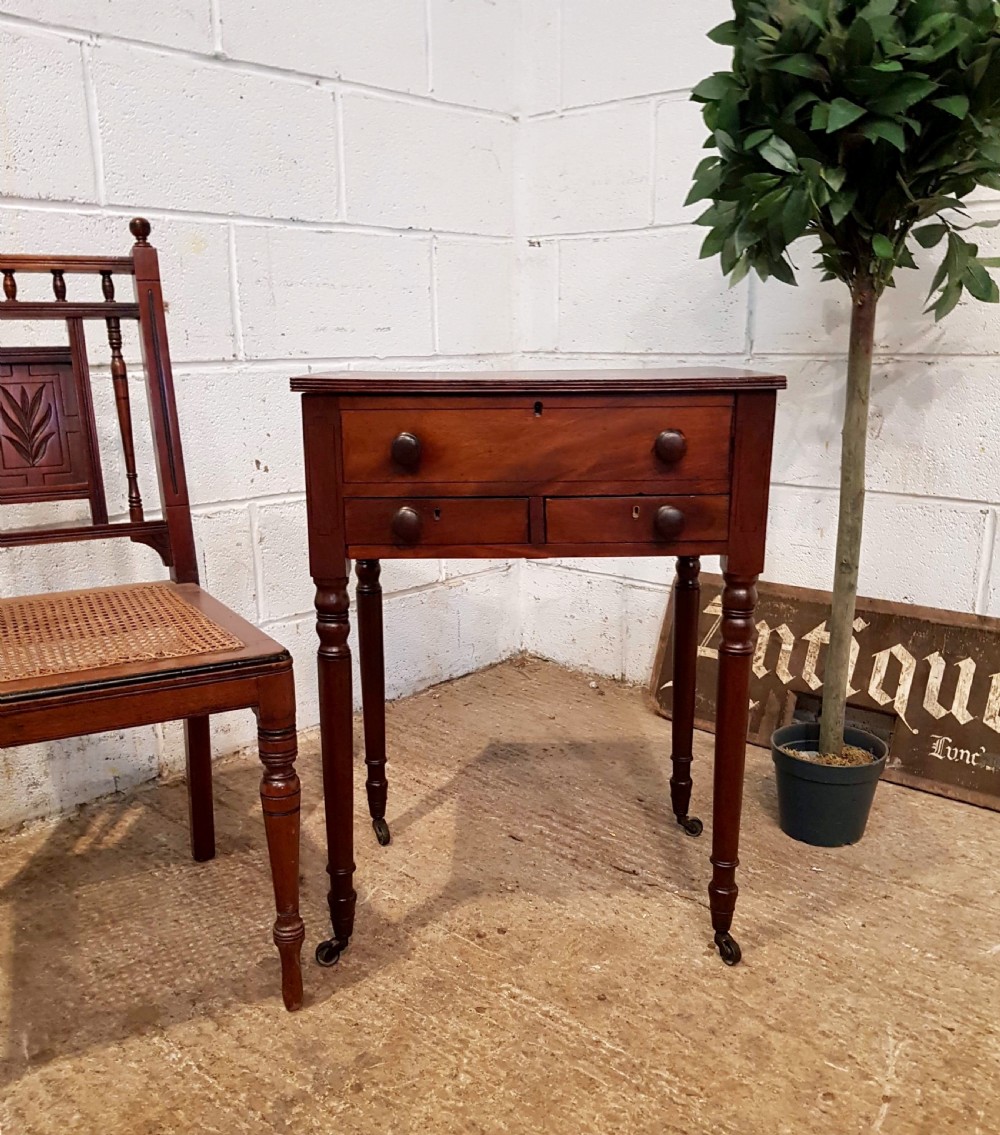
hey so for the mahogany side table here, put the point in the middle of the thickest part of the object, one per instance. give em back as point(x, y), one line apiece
point(535, 464)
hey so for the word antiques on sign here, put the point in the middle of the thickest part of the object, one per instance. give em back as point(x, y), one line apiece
point(927, 681)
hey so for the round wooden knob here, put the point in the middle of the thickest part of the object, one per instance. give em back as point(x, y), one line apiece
point(670, 446)
point(140, 228)
point(668, 522)
point(406, 525)
point(405, 450)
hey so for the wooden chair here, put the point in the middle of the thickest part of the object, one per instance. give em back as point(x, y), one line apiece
point(80, 662)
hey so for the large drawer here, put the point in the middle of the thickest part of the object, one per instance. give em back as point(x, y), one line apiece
point(636, 520)
point(685, 444)
point(428, 522)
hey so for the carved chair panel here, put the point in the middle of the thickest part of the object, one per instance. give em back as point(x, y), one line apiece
point(47, 429)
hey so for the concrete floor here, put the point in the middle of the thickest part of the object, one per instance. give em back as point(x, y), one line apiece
point(532, 954)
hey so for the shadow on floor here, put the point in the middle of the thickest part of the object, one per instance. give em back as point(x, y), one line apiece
point(114, 930)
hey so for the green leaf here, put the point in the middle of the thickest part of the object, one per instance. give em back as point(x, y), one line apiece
point(891, 132)
point(907, 92)
point(796, 215)
point(820, 116)
point(783, 271)
point(740, 271)
point(841, 205)
point(948, 301)
point(904, 258)
point(883, 248)
point(805, 66)
point(958, 105)
point(835, 177)
point(768, 29)
point(755, 137)
point(713, 243)
point(878, 8)
point(779, 154)
point(930, 235)
point(724, 34)
point(798, 103)
point(715, 87)
point(980, 283)
point(842, 113)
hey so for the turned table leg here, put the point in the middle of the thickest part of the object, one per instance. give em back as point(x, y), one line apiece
point(370, 647)
point(687, 609)
point(739, 598)
point(336, 730)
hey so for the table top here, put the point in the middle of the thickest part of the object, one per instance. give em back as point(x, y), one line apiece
point(622, 380)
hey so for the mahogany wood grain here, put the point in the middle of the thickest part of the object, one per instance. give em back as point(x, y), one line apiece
point(632, 520)
point(440, 521)
point(588, 463)
point(48, 450)
point(54, 309)
point(687, 611)
point(548, 550)
point(330, 568)
point(544, 486)
point(371, 649)
point(619, 382)
point(543, 440)
point(94, 265)
point(198, 760)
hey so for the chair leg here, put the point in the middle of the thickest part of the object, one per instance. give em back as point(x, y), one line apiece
point(198, 747)
point(280, 797)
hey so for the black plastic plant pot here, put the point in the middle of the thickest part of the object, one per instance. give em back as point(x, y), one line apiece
point(824, 805)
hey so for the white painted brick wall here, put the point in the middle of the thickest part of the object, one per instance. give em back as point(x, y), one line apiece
point(297, 169)
point(642, 298)
point(414, 165)
point(444, 183)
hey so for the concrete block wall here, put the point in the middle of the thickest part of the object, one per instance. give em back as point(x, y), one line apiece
point(470, 183)
point(332, 182)
point(609, 273)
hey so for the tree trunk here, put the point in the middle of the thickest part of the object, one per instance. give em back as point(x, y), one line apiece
point(849, 525)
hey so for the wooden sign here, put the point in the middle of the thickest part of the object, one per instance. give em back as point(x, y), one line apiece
point(926, 681)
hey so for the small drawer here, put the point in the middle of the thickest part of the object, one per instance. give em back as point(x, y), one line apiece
point(429, 522)
point(543, 442)
point(636, 520)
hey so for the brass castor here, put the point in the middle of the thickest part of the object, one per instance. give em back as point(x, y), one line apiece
point(329, 950)
point(382, 831)
point(691, 824)
point(729, 948)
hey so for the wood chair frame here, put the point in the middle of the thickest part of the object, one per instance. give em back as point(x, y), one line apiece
point(49, 451)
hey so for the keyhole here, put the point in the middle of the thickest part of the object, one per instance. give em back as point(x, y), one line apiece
point(437, 514)
point(635, 513)
point(538, 409)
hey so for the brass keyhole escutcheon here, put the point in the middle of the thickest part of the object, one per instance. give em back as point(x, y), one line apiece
point(635, 512)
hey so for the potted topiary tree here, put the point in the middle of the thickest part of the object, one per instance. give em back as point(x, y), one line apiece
point(862, 124)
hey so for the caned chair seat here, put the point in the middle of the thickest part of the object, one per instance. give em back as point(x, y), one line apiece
point(70, 631)
point(118, 639)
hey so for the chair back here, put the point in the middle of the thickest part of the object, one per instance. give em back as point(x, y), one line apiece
point(48, 435)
